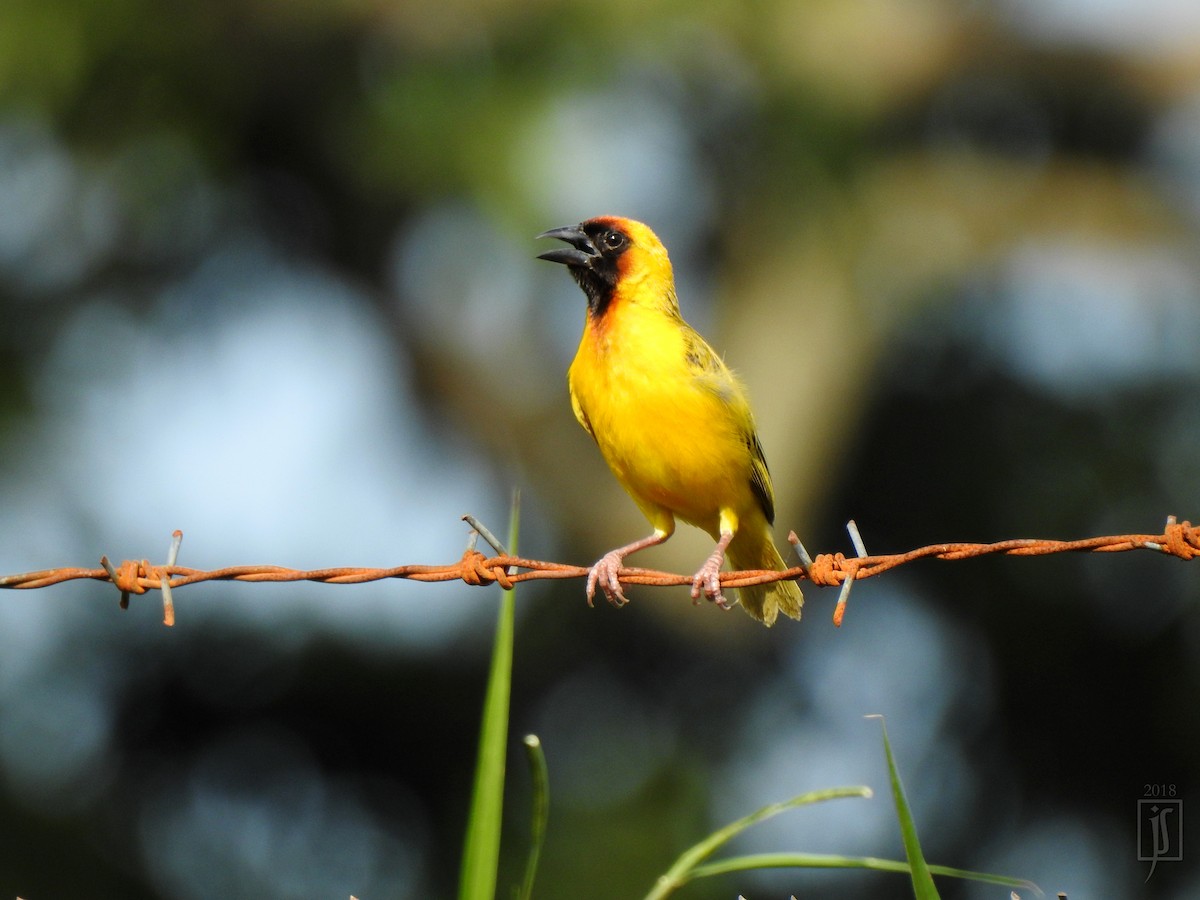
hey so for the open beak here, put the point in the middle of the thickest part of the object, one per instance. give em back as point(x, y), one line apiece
point(582, 251)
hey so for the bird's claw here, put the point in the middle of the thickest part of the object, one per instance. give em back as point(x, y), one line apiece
point(708, 580)
point(604, 575)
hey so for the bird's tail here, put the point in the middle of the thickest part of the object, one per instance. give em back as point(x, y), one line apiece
point(765, 601)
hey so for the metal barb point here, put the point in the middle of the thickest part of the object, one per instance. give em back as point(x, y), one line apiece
point(164, 583)
point(839, 611)
point(805, 560)
point(112, 574)
point(486, 534)
point(856, 538)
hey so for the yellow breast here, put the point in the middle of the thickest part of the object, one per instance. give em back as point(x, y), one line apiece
point(672, 428)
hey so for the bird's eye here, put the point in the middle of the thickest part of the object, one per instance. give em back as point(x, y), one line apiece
point(613, 240)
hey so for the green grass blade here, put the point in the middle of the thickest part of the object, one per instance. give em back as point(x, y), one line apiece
point(824, 861)
point(922, 880)
point(481, 852)
point(539, 813)
point(683, 869)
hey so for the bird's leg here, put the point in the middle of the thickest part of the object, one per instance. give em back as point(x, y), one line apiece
point(708, 579)
point(604, 572)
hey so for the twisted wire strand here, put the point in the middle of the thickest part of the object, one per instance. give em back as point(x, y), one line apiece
point(1178, 539)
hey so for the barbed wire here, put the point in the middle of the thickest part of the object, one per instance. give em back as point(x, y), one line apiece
point(1178, 539)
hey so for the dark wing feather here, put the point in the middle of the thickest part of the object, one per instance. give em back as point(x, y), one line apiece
point(760, 478)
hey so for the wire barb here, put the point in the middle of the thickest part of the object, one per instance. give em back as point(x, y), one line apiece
point(851, 570)
point(805, 560)
point(164, 581)
point(1178, 539)
point(483, 532)
point(116, 579)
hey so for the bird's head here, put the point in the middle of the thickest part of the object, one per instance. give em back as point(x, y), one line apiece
point(611, 256)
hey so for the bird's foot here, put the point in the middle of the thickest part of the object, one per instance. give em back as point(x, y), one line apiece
point(708, 580)
point(604, 574)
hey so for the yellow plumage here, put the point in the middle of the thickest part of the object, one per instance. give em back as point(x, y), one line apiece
point(672, 422)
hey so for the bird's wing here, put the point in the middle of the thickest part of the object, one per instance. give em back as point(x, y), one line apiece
point(710, 371)
point(760, 478)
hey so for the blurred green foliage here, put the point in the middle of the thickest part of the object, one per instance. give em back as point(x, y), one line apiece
point(949, 246)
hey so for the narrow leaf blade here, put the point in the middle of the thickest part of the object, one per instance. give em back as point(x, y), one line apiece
point(684, 867)
point(923, 886)
point(481, 852)
point(539, 813)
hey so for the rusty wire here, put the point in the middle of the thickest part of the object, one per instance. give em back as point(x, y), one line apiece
point(1179, 539)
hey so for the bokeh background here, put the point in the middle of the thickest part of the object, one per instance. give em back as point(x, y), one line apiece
point(267, 276)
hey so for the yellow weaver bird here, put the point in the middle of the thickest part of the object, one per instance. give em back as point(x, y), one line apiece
point(672, 422)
